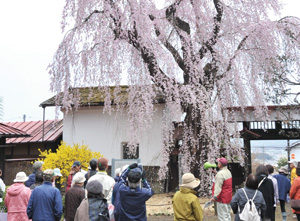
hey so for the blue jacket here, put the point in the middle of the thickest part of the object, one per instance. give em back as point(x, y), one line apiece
point(131, 204)
point(115, 200)
point(45, 203)
point(284, 186)
point(31, 179)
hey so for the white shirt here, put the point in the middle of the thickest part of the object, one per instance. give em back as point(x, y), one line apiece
point(275, 185)
point(107, 182)
point(2, 186)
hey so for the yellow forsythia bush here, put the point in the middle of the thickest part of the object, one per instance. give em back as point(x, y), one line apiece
point(65, 156)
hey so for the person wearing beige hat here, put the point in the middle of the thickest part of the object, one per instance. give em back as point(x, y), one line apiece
point(17, 198)
point(186, 204)
point(45, 202)
point(74, 196)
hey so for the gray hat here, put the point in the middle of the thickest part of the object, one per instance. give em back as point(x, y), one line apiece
point(37, 165)
point(94, 187)
point(283, 170)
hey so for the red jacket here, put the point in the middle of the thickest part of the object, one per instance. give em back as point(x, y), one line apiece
point(69, 181)
point(222, 187)
point(16, 201)
point(295, 192)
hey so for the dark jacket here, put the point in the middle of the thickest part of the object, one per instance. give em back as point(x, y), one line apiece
point(115, 199)
point(89, 174)
point(284, 186)
point(239, 200)
point(35, 185)
point(31, 179)
point(73, 198)
point(267, 189)
point(45, 203)
point(98, 209)
point(132, 201)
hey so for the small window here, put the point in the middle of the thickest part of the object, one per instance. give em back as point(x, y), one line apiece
point(127, 154)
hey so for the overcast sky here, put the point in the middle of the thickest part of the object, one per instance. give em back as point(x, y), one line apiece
point(30, 34)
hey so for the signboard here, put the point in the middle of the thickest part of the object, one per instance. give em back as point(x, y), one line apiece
point(119, 163)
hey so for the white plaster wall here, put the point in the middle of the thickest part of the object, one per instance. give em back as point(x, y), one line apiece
point(295, 153)
point(105, 133)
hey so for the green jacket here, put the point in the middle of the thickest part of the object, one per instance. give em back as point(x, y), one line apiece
point(186, 205)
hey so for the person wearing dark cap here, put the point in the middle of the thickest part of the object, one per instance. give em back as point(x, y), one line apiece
point(76, 167)
point(185, 202)
point(132, 197)
point(222, 190)
point(37, 166)
point(107, 181)
point(92, 171)
point(284, 186)
point(38, 180)
point(94, 207)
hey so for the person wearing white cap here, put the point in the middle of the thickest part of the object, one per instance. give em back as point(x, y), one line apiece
point(17, 198)
point(293, 165)
point(186, 204)
point(74, 196)
point(56, 173)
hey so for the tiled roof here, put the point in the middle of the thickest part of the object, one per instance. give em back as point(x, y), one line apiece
point(52, 130)
point(94, 96)
point(9, 131)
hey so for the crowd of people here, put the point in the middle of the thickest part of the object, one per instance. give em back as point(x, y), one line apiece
point(90, 195)
point(263, 189)
point(94, 195)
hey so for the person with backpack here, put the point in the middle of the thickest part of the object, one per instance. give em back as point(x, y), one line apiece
point(242, 200)
point(94, 207)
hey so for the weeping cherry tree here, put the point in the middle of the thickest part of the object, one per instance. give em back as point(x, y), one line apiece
point(202, 56)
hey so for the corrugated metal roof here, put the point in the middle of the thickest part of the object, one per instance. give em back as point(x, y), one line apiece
point(53, 129)
point(9, 131)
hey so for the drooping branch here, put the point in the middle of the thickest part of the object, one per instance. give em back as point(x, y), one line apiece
point(158, 76)
point(208, 45)
point(176, 21)
point(177, 57)
point(90, 15)
point(241, 44)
